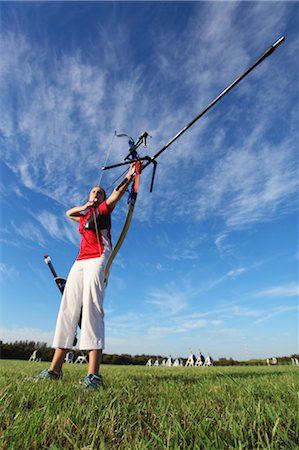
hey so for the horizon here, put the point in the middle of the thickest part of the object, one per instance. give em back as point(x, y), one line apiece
point(157, 356)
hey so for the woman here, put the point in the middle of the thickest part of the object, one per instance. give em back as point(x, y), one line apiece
point(85, 288)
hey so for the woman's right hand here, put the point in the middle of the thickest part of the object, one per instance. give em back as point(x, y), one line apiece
point(89, 204)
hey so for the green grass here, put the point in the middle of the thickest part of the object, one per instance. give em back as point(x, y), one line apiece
point(150, 408)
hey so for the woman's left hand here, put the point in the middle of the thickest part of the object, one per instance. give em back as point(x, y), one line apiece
point(131, 171)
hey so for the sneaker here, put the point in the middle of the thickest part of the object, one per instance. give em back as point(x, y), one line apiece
point(92, 382)
point(47, 374)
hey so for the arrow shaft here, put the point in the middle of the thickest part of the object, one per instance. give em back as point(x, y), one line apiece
point(216, 100)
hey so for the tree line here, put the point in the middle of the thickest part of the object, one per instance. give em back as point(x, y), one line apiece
point(23, 350)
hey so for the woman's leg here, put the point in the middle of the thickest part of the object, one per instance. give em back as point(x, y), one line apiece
point(94, 361)
point(58, 359)
point(69, 311)
point(92, 331)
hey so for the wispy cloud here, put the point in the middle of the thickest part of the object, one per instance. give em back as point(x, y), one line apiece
point(234, 273)
point(29, 231)
point(10, 189)
point(48, 141)
point(57, 227)
point(276, 312)
point(223, 246)
point(253, 187)
point(170, 299)
point(230, 276)
point(183, 248)
point(247, 182)
point(289, 290)
point(37, 227)
point(26, 334)
point(7, 271)
point(165, 322)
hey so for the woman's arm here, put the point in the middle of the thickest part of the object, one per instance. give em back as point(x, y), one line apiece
point(120, 189)
point(75, 213)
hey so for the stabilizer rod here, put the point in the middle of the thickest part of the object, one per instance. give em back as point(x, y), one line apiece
point(213, 102)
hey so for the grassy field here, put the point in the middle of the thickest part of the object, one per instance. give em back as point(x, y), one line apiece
point(150, 408)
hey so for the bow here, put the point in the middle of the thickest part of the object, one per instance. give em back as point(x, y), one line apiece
point(120, 241)
point(134, 157)
point(147, 160)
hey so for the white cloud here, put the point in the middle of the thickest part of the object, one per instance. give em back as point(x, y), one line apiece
point(57, 226)
point(170, 299)
point(216, 323)
point(183, 253)
point(60, 124)
point(7, 271)
point(56, 146)
point(276, 312)
point(237, 311)
point(26, 334)
point(29, 231)
point(236, 272)
point(252, 186)
point(251, 181)
point(290, 290)
point(222, 245)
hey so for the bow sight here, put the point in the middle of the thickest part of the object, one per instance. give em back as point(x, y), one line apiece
point(133, 155)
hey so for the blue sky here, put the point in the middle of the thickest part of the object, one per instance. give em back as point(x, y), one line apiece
point(210, 262)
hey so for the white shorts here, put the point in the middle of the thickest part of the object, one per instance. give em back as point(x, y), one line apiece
point(84, 289)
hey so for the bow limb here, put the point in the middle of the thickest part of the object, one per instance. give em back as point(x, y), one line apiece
point(120, 241)
point(124, 231)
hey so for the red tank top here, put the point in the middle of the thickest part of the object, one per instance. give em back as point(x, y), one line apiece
point(94, 243)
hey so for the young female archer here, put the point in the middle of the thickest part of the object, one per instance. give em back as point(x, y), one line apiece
point(85, 288)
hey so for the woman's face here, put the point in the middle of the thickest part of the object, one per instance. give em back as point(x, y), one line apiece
point(96, 195)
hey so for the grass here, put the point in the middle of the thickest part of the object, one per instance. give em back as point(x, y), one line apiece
point(150, 408)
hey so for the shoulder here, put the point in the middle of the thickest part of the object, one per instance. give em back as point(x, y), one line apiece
point(104, 208)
